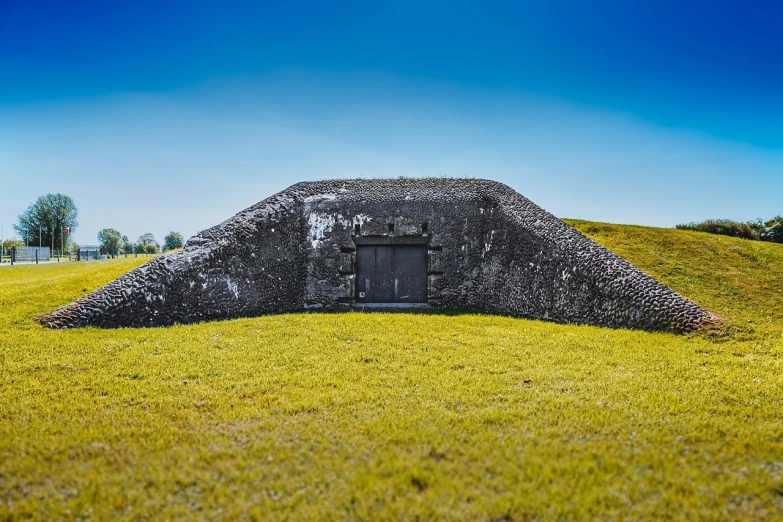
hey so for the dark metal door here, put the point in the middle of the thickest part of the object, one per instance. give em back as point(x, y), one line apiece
point(410, 274)
point(391, 274)
point(374, 274)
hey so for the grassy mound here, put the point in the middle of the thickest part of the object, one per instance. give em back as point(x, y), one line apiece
point(739, 279)
point(398, 416)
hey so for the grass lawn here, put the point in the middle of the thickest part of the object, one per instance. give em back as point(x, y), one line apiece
point(401, 416)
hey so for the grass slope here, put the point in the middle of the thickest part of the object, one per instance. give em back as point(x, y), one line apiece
point(398, 416)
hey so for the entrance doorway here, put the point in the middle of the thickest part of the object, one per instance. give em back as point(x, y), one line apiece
point(391, 274)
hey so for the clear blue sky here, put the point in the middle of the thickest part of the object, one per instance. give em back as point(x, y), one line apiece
point(158, 116)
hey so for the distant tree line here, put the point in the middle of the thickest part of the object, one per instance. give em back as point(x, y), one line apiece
point(771, 230)
point(113, 243)
point(52, 218)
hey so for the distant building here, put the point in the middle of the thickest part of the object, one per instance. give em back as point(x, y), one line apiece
point(87, 252)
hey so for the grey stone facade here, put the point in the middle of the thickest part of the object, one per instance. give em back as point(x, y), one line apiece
point(488, 249)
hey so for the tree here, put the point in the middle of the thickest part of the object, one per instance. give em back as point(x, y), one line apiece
point(147, 244)
point(8, 244)
point(774, 230)
point(127, 246)
point(172, 240)
point(47, 218)
point(110, 240)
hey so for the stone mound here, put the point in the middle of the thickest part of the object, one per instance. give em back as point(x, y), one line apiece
point(467, 244)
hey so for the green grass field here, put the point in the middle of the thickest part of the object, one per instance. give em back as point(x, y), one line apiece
point(401, 416)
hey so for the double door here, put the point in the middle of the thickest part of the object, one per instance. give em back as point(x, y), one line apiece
point(391, 274)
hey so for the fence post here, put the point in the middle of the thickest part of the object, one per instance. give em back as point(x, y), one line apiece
point(36, 256)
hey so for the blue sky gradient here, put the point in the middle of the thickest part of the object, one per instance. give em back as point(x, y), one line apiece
point(176, 117)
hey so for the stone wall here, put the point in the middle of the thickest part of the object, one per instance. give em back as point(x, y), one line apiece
point(489, 249)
